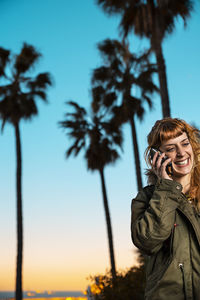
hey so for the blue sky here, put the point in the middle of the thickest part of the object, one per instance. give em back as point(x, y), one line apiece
point(65, 234)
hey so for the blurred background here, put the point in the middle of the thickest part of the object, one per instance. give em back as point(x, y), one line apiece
point(65, 234)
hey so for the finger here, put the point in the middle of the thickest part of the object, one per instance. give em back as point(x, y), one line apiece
point(154, 159)
point(159, 161)
point(164, 166)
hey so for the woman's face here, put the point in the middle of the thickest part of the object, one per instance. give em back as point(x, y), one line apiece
point(180, 151)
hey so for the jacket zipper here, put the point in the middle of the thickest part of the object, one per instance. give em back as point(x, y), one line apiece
point(181, 266)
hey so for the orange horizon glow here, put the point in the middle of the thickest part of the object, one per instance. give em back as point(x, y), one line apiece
point(61, 273)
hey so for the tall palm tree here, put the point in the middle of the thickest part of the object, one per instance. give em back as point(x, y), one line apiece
point(18, 93)
point(100, 140)
point(121, 72)
point(153, 19)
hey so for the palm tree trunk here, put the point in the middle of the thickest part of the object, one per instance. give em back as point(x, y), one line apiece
point(108, 223)
point(18, 292)
point(162, 80)
point(156, 44)
point(136, 153)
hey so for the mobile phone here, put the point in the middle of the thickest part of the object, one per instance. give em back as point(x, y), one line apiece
point(169, 165)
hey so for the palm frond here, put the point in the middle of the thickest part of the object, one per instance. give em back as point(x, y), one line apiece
point(148, 100)
point(77, 107)
point(41, 94)
point(140, 113)
point(41, 82)
point(112, 6)
point(17, 98)
point(75, 148)
point(26, 59)
point(4, 60)
point(101, 74)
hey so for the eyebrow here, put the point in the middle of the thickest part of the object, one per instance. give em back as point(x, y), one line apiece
point(174, 144)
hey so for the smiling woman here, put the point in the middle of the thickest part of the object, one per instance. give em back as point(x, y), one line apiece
point(178, 141)
point(165, 225)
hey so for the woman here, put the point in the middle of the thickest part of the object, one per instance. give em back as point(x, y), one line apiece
point(165, 221)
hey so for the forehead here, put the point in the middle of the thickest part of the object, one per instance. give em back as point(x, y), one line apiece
point(175, 140)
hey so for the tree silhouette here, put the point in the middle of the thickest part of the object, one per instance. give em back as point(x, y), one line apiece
point(120, 73)
point(18, 93)
point(154, 20)
point(100, 140)
point(130, 284)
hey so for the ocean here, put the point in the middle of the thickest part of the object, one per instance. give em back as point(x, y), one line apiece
point(47, 295)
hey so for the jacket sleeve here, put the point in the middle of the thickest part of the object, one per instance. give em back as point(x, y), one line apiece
point(152, 216)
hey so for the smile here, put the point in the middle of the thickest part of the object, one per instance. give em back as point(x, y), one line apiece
point(183, 162)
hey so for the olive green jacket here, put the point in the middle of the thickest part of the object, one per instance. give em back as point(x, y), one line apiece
point(166, 227)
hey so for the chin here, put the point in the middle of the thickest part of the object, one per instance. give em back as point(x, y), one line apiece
point(181, 173)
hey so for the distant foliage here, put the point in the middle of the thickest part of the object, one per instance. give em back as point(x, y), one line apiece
point(129, 285)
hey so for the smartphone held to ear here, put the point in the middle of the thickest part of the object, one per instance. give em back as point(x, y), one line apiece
point(169, 165)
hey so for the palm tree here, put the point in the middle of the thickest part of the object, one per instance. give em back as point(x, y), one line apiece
point(18, 93)
point(100, 140)
point(121, 71)
point(154, 20)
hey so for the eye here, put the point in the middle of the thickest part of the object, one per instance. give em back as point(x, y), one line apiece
point(169, 149)
point(186, 144)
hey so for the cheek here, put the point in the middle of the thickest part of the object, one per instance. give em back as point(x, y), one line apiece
point(191, 153)
point(171, 155)
point(192, 157)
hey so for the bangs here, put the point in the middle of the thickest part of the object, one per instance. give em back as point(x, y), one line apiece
point(164, 130)
point(170, 133)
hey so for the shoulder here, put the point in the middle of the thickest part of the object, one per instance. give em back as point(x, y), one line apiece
point(146, 191)
point(145, 194)
point(149, 189)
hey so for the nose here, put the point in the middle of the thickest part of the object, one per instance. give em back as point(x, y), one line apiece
point(180, 152)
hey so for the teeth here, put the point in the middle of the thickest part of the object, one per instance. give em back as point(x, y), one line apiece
point(182, 163)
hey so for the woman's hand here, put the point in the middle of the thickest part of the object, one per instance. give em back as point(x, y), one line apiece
point(160, 169)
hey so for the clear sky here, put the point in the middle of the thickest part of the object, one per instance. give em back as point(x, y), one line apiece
point(64, 225)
